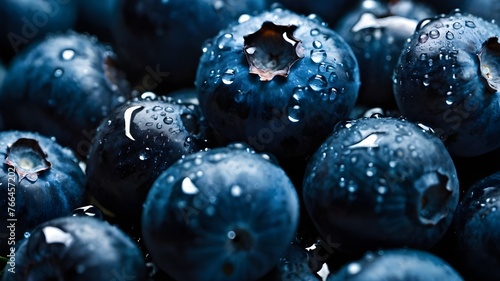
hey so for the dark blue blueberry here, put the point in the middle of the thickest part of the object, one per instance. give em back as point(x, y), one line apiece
point(329, 10)
point(223, 214)
point(377, 32)
point(77, 248)
point(134, 144)
point(63, 86)
point(487, 9)
point(161, 41)
point(27, 21)
point(278, 81)
point(477, 225)
point(447, 78)
point(381, 182)
point(398, 264)
point(39, 181)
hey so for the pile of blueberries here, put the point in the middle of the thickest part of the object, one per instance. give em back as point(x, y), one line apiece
point(249, 140)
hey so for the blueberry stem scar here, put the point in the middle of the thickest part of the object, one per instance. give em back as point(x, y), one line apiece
point(27, 158)
point(272, 50)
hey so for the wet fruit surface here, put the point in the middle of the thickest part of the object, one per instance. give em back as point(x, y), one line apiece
point(382, 174)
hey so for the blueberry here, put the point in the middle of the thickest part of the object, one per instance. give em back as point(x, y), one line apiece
point(63, 86)
point(329, 10)
point(477, 228)
point(477, 7)
point(160, 41)
point(381, 182)
point(134, 144)
point(77, 248)
point(39, 181)
point(377, 32)
point(223, 214)
point(446, 79)
point(397, 264)
point(27, 21)
point(278, 81)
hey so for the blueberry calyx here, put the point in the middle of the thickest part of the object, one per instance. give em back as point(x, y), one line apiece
point(490, 64)
point(434, 194)
point(272, 50)
point(27, 158)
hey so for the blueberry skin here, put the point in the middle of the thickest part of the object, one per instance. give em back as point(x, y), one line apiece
point(286, 116)
point(441, 81)
point(63, 86)
point(377, 32)
point(329, 10)
point(397, 264)
point(477, 229)
point(381, 182)
point(160, 41)
point(137, 142)
point(55, 193)
point(27, 21)
point(476, 7)
point(77, 248)
point(222, 214)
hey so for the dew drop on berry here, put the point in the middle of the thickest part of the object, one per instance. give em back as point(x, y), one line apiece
point(243, 18)
point(333, 77)
point(236, 190)
point(434, 34)
point(317, 82)
point(318, 56)
point(449, 35)
point(470, 24)
point(294, 109)
point(145, 154)
point(353, 268)
point(224, 40)
point(58, 72)
point(317, 44)
point(228, 77)
point(68, 54)
point(314, 32)
point(423, 38)
point(168, 120)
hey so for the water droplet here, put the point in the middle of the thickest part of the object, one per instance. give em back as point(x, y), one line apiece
point(434, 33)
point(382, 189)
point(314, 32)
point(236, 190)
point(169, 109)
point(318, 56)
point(392, 164)
point(228, 76)
point(145, 154)
point(317, 44)
point(317, 82)
point(423, 56)
point(243, 18)
point(333, 77)
point(27, 235)
point(223, 40)
point(470, 24)
point(353, 268)
point(423, 38)
point(457, 25)
point(332, 95)
point(168, 120)
point(58, 72)
point(231, 235)
point(449, 35)
point(426, 81)
point(188, 186)
point(68, 54)
point(148, 96)
point(294, 110)
point(371, 171)
point(352, 187)
point(449, 101)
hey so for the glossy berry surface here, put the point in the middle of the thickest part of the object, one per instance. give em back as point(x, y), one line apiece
point(447, 78)
point(63, 86)
point(398, 264)
point(134, 144)
point(166, 36)
point(377, 31)
point(477, 229)
point(329, 10)
point(39, 181)
point(208, 216)
point(77, 248)
point(385, 175)
point(27, 21)
point(278, 81)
